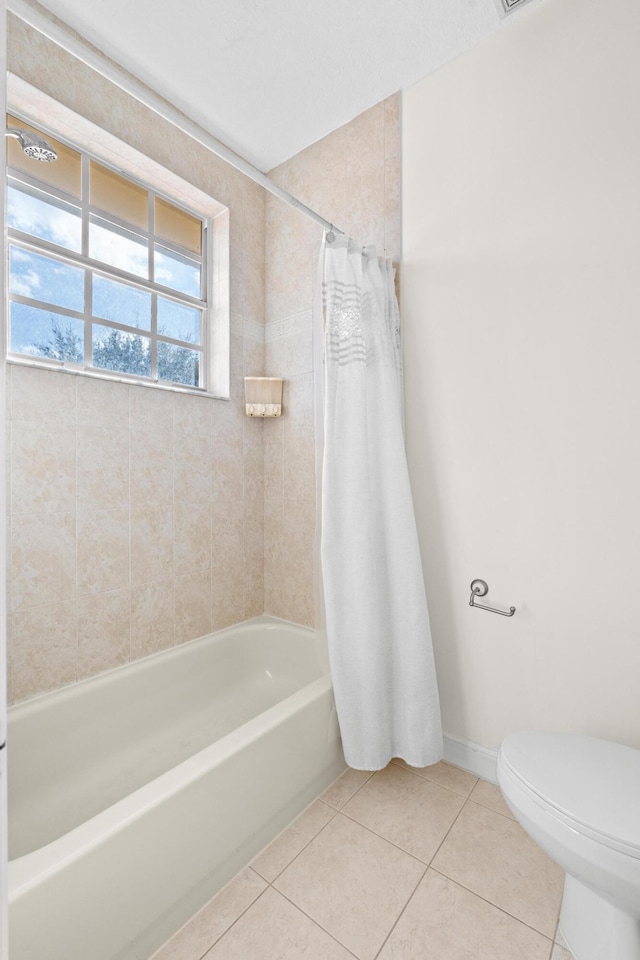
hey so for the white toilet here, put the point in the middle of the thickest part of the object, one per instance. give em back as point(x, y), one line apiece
point(579, 799)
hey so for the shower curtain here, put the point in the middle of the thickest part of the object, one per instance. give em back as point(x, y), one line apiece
point(375, 605)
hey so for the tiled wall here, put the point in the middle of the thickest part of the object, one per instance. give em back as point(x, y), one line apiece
point(351, 177)
point(136, 515)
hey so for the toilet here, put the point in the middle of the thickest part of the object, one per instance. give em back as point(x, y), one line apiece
point(579, 799)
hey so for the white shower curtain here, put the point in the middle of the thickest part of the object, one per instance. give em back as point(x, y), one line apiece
point(375, 605)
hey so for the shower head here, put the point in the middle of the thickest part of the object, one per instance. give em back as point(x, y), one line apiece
point(33, 145)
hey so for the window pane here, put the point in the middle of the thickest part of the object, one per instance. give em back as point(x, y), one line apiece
point(43, 278)
point(177, 272)
point(115, 194)
point(178, 322)
point(42, 216)
point(122, 303)
point(121, 249)
point(64, 173)
point(117, 350)
point(176, 225)
point(178, 364)
point(45, 333)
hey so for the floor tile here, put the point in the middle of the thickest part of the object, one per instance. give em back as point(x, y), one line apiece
point(460, 781)
point(279, 854)
point(443, 921)
point(408, 810)
point(195, 938)
point(273, 929)
point(489, 795)
point(345, 786)
point(353, 883)
point(559, 953)
point(493, 856)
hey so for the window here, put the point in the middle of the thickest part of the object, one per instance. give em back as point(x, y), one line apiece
point(105, 274)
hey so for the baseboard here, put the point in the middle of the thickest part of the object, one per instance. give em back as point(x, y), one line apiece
point(481, 761)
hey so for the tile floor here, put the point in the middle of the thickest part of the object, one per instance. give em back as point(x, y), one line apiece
point(403, 864)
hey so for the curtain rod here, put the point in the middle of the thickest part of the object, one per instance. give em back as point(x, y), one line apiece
point(77, 46)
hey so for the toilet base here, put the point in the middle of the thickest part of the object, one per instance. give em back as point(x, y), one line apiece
point(593, 928)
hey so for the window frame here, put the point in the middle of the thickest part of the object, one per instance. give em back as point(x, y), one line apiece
point(92, 266)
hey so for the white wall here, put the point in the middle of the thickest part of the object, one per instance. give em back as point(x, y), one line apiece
point(521, 306)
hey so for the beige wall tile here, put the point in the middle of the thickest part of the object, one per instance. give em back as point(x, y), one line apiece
point(103, 467)
point(151, 413)
point(236, 360)
point(275, 592)
point(192, 467)
point(42, 395)
point(227, 470)
point(43, 467)
point(299, 474)
point(192, 537)
point(102, 550)
point(273, 527)
point(443, 921)
point(102, 403)
point(254, 591)
point(192, 415)
point(151, 466)
point(253, 461)
point(193, 605)
point(103, 631)
point(43, 559)
point(253, 533)
point(152, 617)
point(43, 649)
point(253, 362)
point(129, 455)
point(227, 531)
point(151, 542)
point(227, 599)
point(227, 419)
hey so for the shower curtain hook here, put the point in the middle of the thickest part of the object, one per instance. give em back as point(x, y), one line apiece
point(330, 234)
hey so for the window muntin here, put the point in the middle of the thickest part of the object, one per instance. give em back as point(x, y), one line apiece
point(95, 282)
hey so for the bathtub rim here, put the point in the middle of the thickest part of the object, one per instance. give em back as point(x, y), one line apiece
point(20, 707)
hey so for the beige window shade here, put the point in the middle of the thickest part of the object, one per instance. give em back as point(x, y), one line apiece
point(117, 195)
point(177, 226)
point(65, 174)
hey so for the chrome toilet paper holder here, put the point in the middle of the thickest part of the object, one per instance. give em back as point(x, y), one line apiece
point(480, 588)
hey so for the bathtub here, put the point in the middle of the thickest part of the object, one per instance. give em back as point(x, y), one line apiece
point(135, 795)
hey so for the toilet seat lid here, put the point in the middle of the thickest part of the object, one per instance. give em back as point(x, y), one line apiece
point(593, 784)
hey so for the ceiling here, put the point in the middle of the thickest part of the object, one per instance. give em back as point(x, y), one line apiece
point(270, 77)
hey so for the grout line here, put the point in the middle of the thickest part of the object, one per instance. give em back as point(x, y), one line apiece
point(315, 922)
point(407, 769)
point(492, 904)
point(239, 917)
point(282, 833)
point(397, 920)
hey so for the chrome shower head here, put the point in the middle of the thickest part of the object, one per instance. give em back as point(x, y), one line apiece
point(33, 145)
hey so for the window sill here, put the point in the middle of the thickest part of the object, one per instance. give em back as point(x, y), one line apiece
point(114, 378)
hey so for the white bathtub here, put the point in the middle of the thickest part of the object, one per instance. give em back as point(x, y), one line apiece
point(135, 795)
